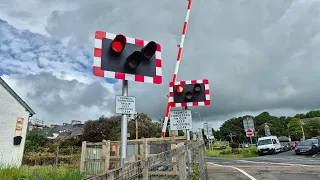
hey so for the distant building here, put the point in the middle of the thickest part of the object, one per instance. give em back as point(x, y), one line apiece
point(14, 118)
point(65, 131)
point(303, 121)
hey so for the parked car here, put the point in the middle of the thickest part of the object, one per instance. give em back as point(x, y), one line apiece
point(315, 141)
point(306, 147)
point(285, 146)
point(268, 145)
point(293, 144)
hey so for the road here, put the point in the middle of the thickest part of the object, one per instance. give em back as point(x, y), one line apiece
point(282, 166)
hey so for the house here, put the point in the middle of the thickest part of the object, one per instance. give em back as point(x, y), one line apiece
point(65, 131)
point(14, 118)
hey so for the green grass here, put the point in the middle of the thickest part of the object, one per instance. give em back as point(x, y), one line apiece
point(66, 172)
point(227, 153)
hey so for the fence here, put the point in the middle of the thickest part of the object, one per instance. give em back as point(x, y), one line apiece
point(102, 156)
point(184, 160)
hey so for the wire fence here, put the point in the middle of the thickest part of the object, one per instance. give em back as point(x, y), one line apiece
point(186, 161)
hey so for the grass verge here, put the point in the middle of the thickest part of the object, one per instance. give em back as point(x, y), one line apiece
point(65, 172)
point(238, 153)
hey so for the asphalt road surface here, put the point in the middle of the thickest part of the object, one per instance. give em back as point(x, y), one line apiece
point(282, 166)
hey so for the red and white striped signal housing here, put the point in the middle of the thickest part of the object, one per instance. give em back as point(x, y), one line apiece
point(189, 93)
point(126, 58)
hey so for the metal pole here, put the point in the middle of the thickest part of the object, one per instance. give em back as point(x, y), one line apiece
point(251, 142)
point(136, 126)
point(124, 127)
point(304, 138)
point(187, 130)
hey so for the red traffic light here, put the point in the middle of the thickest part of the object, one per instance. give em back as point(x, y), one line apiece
point(149, 50)
point(118, 43)
point(134, 60)
point(179, 89)
point(197, 88)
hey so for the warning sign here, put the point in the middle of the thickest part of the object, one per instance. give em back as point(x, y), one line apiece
point(180, 120)
point(125, 105)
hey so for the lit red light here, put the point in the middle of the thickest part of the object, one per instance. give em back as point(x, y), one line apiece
point(117, 46)
point(179, 89)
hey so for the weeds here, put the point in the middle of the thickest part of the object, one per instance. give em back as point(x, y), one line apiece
point(40, 173)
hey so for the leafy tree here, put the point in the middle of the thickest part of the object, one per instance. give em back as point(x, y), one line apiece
point(313, 113)
point(103, 128)
point(146, 128)
point(294, 128)
point(312, 128)
point(35, 140)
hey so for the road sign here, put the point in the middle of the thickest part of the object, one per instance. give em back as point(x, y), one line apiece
point(248, 124)
point(125, 105)
point(189, 93)
point(180, 120)
point(207, 129)
point(249, 133)
point(211, 137)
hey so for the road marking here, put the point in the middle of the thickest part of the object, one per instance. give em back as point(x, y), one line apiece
point(238, 169)
point(314, 155)
point(279, 163)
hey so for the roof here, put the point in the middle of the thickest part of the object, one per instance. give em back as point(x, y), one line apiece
point(308, 119)
point(25, 105)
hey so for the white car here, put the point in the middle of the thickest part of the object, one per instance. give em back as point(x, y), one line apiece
point(268, 145)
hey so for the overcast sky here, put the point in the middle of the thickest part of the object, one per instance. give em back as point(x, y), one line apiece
point(259, 55)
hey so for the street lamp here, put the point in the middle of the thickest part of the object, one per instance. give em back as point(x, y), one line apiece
point(200, 120)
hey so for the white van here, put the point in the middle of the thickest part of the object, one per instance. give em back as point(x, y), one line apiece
point(268, 145)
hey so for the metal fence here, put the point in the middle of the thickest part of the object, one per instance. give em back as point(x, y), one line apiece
point(186, 161)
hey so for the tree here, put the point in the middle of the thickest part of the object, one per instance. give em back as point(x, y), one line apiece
point(146, 128)
point(35, 140)
point(294, 128)
point(103, 128)
point(312, 128)
point(313, 113)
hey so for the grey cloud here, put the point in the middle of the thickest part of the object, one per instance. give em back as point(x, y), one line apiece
point(59, 98)
point(257, 55)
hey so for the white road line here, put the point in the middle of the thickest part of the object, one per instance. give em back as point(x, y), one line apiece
point(279, 163)
point(315, 155)
point(238, 169)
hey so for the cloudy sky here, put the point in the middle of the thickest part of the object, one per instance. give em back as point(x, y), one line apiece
point(259, 55)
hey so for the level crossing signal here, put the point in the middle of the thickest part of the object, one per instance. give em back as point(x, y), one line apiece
point(189, 93)
point(125, 58)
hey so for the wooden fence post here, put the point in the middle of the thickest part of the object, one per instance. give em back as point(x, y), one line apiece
point(182, 166)
point(145, 160)
point(83, 156)
point(103, 156)
point(107, 158)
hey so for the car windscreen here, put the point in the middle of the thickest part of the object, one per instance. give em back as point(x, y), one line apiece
point(313, 140)
point(305, 143)
point(291, 142)
point(264, 142)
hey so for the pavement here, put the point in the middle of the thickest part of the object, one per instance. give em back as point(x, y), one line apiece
point(281, 166)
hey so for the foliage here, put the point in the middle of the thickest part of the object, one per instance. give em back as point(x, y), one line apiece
point(108, 128)
point(295, 129)
point(312, 128)
point(40, 172)
point(104, 128)
point(35, 140)
point(279, 126)
point(146, 128)
point(313, 113)
point(237, 153)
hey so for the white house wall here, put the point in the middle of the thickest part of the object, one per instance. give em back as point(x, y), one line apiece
point(10, 111)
